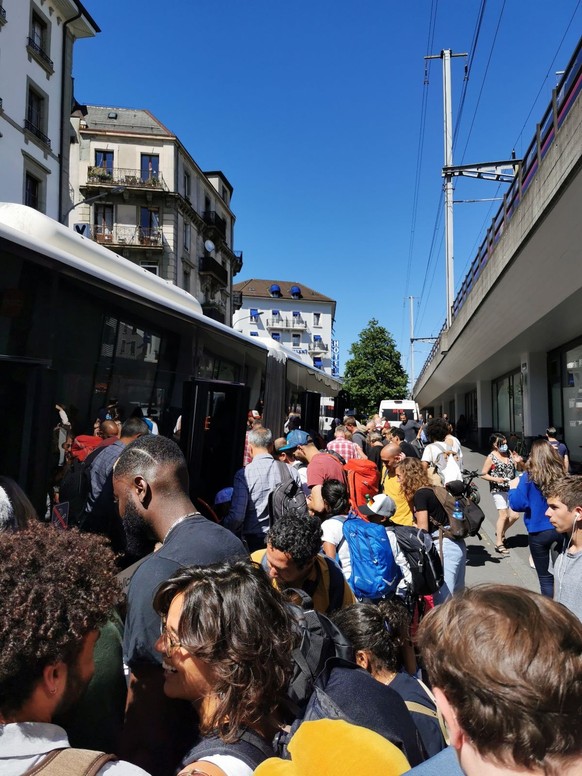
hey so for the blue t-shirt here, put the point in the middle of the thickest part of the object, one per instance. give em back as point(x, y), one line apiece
point(444, 763)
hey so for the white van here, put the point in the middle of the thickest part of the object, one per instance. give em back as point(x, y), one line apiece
point(390, 410)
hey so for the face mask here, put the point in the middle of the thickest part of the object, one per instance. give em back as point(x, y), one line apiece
point(502, 448)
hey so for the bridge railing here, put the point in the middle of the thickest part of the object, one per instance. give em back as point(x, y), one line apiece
point(563, 98)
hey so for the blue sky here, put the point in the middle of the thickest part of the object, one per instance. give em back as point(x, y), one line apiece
point(312, 109)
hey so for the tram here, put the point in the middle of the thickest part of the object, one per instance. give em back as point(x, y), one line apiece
point(80, 325)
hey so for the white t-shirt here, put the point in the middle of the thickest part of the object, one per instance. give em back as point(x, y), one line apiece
point(333, 532)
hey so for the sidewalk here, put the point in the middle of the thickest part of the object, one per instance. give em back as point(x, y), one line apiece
point(483, 563)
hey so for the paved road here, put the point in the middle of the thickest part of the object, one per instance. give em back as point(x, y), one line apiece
point(483, 563)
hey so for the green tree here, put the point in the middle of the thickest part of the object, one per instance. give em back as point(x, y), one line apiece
point(374, 371)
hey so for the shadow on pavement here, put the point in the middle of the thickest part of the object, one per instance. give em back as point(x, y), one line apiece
point(516, 540)
point(479, 556)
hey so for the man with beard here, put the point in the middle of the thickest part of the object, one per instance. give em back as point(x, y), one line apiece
point(151, 485)
point(56, 589)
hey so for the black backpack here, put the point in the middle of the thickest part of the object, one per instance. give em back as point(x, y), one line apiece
point(287, 497)
point(75, 488)
point(321, 640)
point(423, 558)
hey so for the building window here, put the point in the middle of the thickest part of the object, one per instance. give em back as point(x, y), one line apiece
point(186, 236)
point(36, 115)
point(187, 184)
point(276, 336)
point(151, 266)
point(206, 204)
point(186, 278)
point(39, 42)
point(317, 363)
point(38, 32)
point(316, 319)
point(296, 340)
point(104, 160)
point(149, 225)
point(32, 187)
point(103, 222)
point(150, 167)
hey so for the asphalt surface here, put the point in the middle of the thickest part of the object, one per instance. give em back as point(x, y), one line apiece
point(483, 563)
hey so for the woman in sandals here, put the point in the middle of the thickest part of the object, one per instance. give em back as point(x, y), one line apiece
point(499, 470)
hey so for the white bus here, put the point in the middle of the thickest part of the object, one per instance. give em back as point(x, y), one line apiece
point(390, 410)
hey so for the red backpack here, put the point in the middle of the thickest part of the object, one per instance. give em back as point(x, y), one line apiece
point(83, 445)
point(363, 479)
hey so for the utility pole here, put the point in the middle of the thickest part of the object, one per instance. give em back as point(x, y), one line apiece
point(414, 339)
point(446, 56)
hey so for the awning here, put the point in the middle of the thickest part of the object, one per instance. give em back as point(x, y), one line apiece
point(276, 336)
point(317, 337)
point(254, 312)
point(275, 312)
point(318, 363)
point(296, 314)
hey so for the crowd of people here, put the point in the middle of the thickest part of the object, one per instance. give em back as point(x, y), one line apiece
point(239, 646)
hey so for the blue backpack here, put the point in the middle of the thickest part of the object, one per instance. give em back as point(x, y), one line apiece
point(375, 573)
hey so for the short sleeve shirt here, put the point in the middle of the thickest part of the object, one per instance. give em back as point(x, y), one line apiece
point(323, 466)
point(194, 542)
point(425, 500)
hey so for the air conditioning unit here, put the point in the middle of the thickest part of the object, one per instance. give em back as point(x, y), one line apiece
point(84, 229)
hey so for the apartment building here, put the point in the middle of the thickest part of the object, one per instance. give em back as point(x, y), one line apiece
point(36, 94)
point(291, 313)
point(144, 197)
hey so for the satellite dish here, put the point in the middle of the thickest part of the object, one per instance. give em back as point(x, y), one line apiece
point(209, 246)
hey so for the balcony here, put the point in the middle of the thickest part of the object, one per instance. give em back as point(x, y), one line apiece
point(294, 323)
point(237, 300)
point(123, 236)
point(126, 177)
point(213, 220)
point(214, 310)
point(40, 55)
point(316, 348)
point(209, 266)
point(38, 133)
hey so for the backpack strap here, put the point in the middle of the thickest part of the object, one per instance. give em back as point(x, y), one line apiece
point(285, 472)
point(341, 519)
point(73, 762)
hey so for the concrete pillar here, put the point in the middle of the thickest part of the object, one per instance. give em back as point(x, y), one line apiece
point(534, 373)
point(459, 405)
point(485, 412)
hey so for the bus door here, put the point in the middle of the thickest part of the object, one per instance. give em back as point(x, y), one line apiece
point(214, 416)
point(310, 408)
point(27, 398)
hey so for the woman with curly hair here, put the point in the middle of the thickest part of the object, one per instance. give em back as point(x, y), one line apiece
point(430, 515)
point(543, 469)
point(227, 638)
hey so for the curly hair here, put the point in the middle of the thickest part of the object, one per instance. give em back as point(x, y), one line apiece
point(297, 536)
point(510, 664)
point(377, 630)
point(544, 466)
point(55, 588)
point(233, 619)
point(413, 475)
point(437, 430)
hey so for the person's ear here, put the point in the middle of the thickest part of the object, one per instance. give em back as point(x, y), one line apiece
point(142, 489)
point(363, 659)
point(456, 734)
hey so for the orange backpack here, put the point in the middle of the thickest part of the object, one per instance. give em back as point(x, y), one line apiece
point(363, 479)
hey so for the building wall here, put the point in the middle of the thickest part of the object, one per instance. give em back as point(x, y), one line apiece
point(181, 198)
point(295, 332)
point(22, 68)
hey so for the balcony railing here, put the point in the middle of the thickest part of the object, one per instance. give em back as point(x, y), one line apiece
point(286, 323)
point(34, 130)
point(209, 266)
point(123, 176)
point(128, 236)
point(211, 218)
point(40, 54)
point(317, 347)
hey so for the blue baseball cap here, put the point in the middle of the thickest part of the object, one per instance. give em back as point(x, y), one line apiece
point(294, 439)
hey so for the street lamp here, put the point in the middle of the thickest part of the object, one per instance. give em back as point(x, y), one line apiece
point(245, 317)
point(90, 200)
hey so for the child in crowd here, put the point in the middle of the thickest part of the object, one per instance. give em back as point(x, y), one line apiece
point(565, 513)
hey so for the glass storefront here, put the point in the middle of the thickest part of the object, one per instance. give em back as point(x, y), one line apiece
point(565, 391)
point(507, 396)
